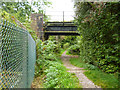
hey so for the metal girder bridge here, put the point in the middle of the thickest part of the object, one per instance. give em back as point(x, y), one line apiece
point(60, 28)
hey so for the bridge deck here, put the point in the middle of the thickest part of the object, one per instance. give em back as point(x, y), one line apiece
point(60, 28)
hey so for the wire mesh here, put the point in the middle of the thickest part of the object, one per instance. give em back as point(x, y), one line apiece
point(17, 56)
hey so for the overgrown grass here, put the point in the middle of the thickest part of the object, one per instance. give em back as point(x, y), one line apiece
point(55, 75)
point(105, 80)
point(49, 65)
point(79, 63)
point(102, 79)
point(58, 77)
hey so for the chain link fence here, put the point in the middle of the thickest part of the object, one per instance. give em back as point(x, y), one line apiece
point(17, 56)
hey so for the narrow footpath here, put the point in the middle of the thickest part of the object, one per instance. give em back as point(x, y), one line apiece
point(83, 80)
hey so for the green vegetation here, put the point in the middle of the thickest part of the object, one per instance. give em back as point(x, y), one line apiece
point(67, 53)
point(66, 45)
point(67, 41)
point(80, 63)
point(98, 44)
point(20, 12)
point(49, 64)
point(58, 77)
point(23, 10)
point(73, 50)
point(100, 78)
point(62, 51)
point(98, 24)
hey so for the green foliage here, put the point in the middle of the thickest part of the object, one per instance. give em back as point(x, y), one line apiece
point(58, 77)
point(46, 49)
point(23, 10)
point(100, 38)
point(7, 16)
point(74, 49)
point(62, 51)
point(68, 39)
point(100, 78)
point(48, 63)
point(66, 45)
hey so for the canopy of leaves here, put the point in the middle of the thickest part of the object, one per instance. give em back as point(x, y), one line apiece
point(22, 11)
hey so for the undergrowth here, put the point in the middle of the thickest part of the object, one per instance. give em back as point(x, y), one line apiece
point(49, 64)
point(58, 77)
point(100, 34)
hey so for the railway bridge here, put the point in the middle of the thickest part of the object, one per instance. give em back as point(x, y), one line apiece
point(60, 28)
point(43, 31)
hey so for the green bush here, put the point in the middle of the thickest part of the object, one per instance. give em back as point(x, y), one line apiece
point(46, 51)
point(48, 63)
point(67, 39)
point(56, 75)
point(74, 49)
point(66, 45)
point(100, 34)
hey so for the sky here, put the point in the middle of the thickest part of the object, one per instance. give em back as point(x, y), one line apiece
point(56, 11)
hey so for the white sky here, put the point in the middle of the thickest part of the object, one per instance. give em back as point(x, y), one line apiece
point(55, 12)
point(58, 6)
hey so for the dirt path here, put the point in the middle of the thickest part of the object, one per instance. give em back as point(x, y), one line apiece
point(84, 81)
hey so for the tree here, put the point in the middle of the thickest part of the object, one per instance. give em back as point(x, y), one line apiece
point(98, 24)
point(23, 10)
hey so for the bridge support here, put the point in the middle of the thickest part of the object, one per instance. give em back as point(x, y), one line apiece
point(37, 25)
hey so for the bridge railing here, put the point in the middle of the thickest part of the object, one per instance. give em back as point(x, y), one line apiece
point(17, 56)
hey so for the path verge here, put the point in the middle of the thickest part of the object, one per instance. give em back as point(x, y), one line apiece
point(83, 80)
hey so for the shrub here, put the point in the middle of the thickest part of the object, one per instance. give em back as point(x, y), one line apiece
point(46, 51)
point(66, 45)
point(74, 49)
point(99, 28)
